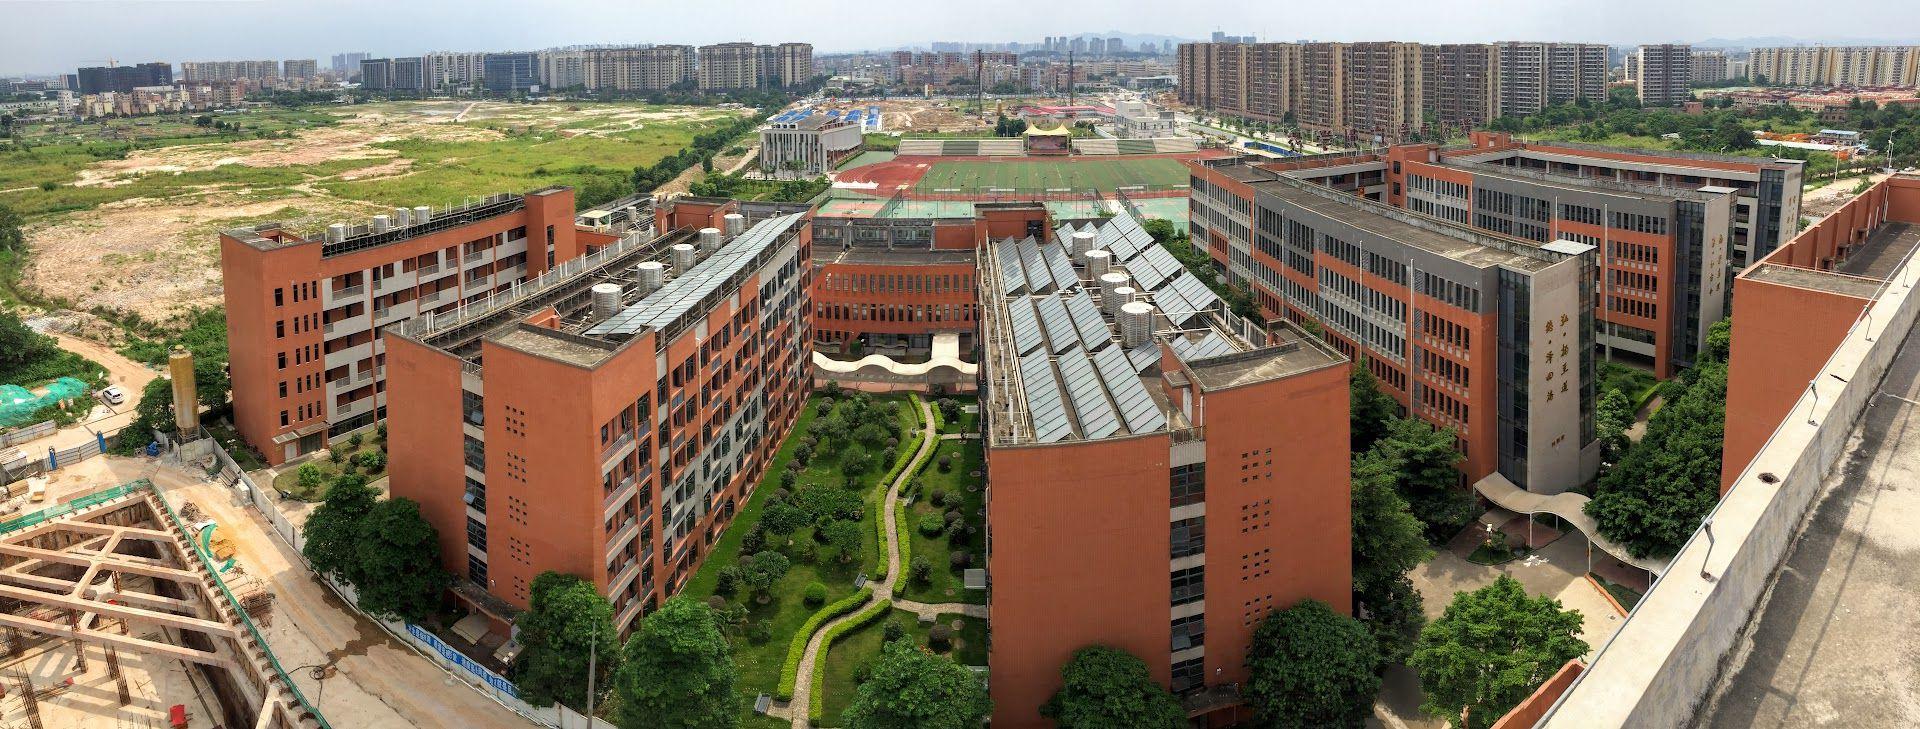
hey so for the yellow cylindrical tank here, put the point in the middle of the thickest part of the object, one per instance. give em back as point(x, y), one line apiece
point(186, 402)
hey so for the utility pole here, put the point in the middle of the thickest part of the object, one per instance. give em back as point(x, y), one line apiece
point(593, 661)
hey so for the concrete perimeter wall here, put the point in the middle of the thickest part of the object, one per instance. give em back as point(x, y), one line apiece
point(1655, 671)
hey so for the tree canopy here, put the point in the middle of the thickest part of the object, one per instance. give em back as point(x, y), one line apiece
point(1311, 667)
point(11, 239)
point(1429, 475)
point(567, 627)
point(677, 672)
point(1372, 410)
point(1387, 539)
point(910, 688)
point(397, 562)
point(1492, 648)
point(1108, 688)
point(333, 529)
point(1658, 493)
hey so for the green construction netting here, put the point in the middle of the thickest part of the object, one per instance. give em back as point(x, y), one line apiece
point(18, 404)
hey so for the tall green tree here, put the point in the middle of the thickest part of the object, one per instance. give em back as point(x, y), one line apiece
point(678, 671)
point(1311, 667)
point(1611, 418)
point(1387, 539)
point(11, 239)
point(1429, 475)
point(567, 627)
point(397, 562)
point(1103, 687)
point(1492, 648)
point(333, 529)
point(1373, 411)
point(912, 689)
point(1395, 615)
point(20, 345)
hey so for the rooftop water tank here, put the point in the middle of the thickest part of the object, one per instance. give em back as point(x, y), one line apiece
point(402, 217)
point(651, 274)
point(1082, 242)
point(683, 256)
point(336, 232)
point(709, 240)
point(1112, 280)
point(1099, 262)
point(1112, 299)
point(736, 224)
point(606, 300)
point(1136, 323)
point(381, 223)
point(422, 214)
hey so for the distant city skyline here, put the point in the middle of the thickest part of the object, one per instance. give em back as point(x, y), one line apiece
point(60, 36)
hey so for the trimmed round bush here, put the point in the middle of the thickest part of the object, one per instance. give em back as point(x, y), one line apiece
point(940, 638)
point(718, 603)
point(937, 498)
point(759, 632)
point(931, 526)
point(960, 560)
point(815, 595)
point(922, 569)
point(892, 631)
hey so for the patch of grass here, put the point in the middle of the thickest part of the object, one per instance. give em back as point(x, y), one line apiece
point(857, 648)
point(960, 486)
point(1622, 594)
point(1637, 384)
point(331, 464)
point(1103, 174)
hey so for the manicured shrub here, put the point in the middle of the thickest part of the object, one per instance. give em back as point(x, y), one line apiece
point(754, 541)
point(946, 463)
point(727, 583)
point(955, 528)
point(892, 631)
point(816, 594)
point(787, 478)
point(959, 560)
point(371, 461)
point(922, 569)
point(937, 498)
point(940, 638)
point(353, 441)
point(759, 632)
point(887, 455)
point(931, 526)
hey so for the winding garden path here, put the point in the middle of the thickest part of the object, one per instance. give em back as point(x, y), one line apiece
point(796, 710)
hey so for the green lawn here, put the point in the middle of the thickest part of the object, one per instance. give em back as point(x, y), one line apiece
point(967, 422)
point(288, 480)
point(1104, 174)
point(759, 664)
point(1637, 384)
point(945, 583)
point(863, 645)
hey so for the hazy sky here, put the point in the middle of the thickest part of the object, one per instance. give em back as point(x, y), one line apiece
point(37, 36)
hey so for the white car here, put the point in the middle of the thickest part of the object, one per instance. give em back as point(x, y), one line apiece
point(113, 395)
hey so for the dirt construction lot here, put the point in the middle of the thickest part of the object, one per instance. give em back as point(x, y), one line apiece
point(139, 233)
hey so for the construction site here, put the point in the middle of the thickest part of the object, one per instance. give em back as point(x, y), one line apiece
point(118, 610)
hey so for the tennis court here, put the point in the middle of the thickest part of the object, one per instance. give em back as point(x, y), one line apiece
point(1031, 174)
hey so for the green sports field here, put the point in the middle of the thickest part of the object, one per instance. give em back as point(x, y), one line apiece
point(1030, 174)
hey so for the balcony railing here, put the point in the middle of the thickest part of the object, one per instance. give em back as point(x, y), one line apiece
point(620, 494)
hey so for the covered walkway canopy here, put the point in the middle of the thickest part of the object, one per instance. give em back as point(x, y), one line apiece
point(1570, 507)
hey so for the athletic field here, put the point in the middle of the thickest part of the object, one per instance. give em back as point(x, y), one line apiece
point(1039, 174)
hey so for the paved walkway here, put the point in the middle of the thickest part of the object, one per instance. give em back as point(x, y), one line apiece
point(929, 611)
point(797, 709)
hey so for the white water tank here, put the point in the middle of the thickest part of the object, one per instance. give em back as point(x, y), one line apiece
point(1136, 323)
point(1099, 262)
point(336, 232)
point(381, 223)
point(736, 224)
point(606, 300)
point(709, 240)
point(402, 217)
point(651, 275)
point(1112, 280)
point(1082, 242)
point(422, 214)
point(683, 256)
point(1111, 299)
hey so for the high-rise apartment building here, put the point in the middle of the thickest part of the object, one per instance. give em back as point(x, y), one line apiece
point(793, 64)
point(196, 71)
point(504, 73)
point(376, 74)
point(608, 419)
point(305, 311)
point(1460, 83)
point(409, 73)
point(1709, 66)
point(347, 65)
point(299, 68)
point(1321, 95)
point(729, 66)
point(1665, 74)
point(655, 68)
point(1532, 76)
point(1490, 335)
point(566, 69)
point(123, 79)
point(1896, 66)
point(1387, 89)
point(1136, 470)
point(453, 71)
